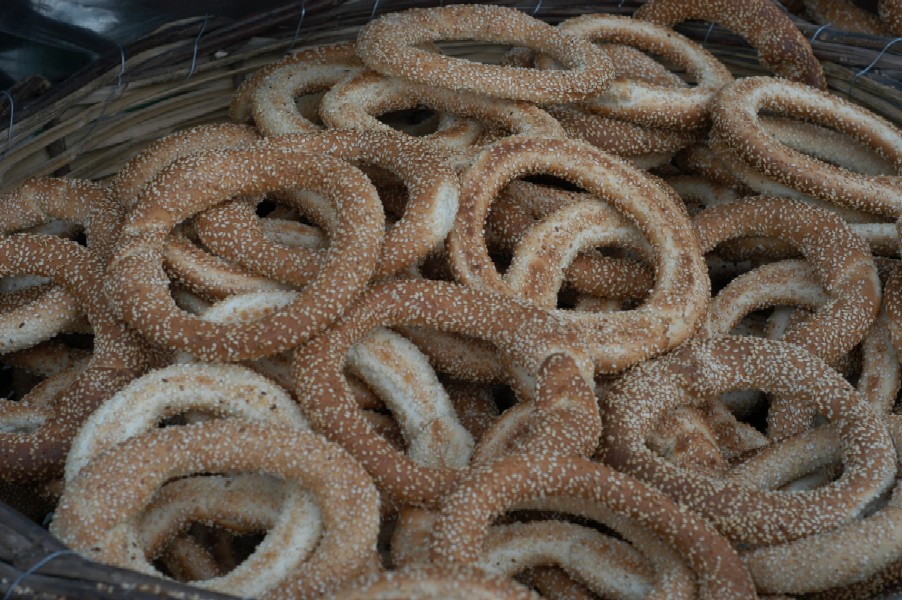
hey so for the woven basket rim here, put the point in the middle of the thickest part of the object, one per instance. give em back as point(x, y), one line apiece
point(91, 109)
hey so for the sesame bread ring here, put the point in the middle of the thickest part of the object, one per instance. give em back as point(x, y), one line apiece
point(846, 555)
point(844, 15)
point(128, 182)
point(838, 256)
point(46, 311)
point(736, 126)
point(701, 370)
point(220, 390)
point(388, 45)
point(562, 418)
point(39, 201)
point(649, 104)
point(609, 567)
point(781, 46)
point(87, 521)
point(277, 112)
point(681, 290)
point(522, 205)
point(357, 101)
point(399, 373)
point(630, 63)
point(530, 340)
point(273, 106)
point(187, 560)
point(435, 582)
point(118, 356)
point(617, 136)
point(207, 275)
point(234, 231)
point(138, 288)
point(341, 53)
point(797, 283)
point(890, 12)
point(577, 485)
point(243, 503)
point(432, 190)
point(841, 260)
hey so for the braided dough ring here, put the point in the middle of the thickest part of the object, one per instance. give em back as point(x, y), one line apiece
point(650, 104)
point(702, 369)
point(137, 286)
point(781, 46)
point(388, 45)
point(105, 531)
point(681, 292)
point(736, 126)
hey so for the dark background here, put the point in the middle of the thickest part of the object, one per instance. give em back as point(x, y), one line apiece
point(54, 38)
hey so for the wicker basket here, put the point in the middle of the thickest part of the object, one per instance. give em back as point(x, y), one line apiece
point(184, 74)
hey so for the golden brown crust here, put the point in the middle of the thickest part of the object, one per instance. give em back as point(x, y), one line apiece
point(542, 481)
point(137, 287)
point(843, 15)
point(702, 369)
point(736, 127)
point(672, 307)
point(347, 499)
point(388, 45)
point(781, 46)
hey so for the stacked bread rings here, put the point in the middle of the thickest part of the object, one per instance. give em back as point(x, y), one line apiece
point(422, 326)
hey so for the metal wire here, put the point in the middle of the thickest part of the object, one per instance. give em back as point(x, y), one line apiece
point(865, 70)
point(33, 568)
point(373, 12)
point(297, 30)
point(818, 32)
point(203, 28)
point(121, 68)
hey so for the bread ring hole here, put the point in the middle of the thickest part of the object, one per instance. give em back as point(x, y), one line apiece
point(392, 190)
point(216, 546)
point(308, 106)
point(657, 74)
point(825, 143)
point(417, 121)
point(479, 52)
point(16, 383)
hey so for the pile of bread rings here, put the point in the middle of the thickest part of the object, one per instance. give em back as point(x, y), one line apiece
point(598, 320)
